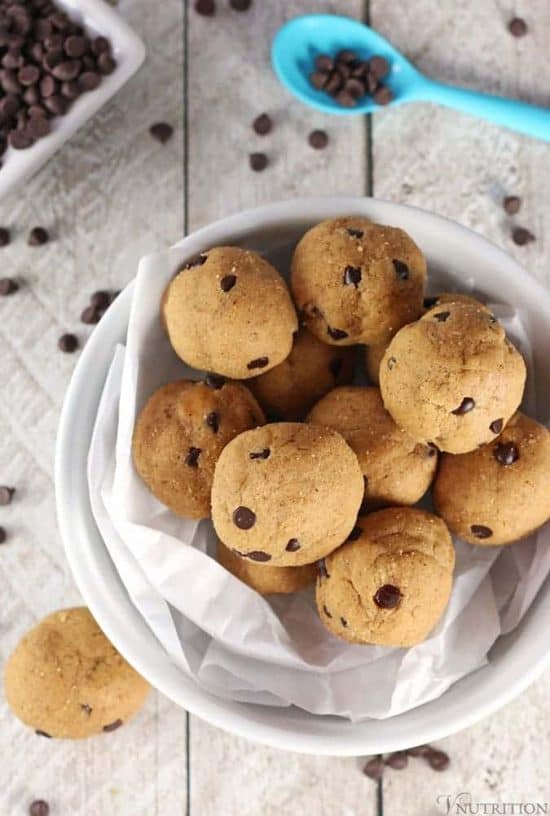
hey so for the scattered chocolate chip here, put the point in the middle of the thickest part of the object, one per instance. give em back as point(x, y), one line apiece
point(344, 622)
point(355, 534)
point(496, 426)
point(374, 768)
point(68, 343)
point(387, 596)
point(419, 750)
point(192, 457)
point(205, 7)
point(327, 613)
point(40, 733)
point(90, 315)
point(161, 131)
point(398, 760)
point(262, 124)
point(522, 236)
point(112, 726)
point(8, 286)
point(441, 317)
point(213, 421)
point(100, 299)
point(87, 709)
point(401, 269)
point(256, 555)
point(214, 381)
point(355, 233)
point(383, 95)
point(352, 276)
point(335, 367)
point(322, 569)
point(517, 27)
point(258, 162)
point(3, 535)
point(391, 362)
point(506, 453)
point(438, 760)
point(39, 808)
point(378, 67)
point(228, 282)
point(260, 362)
point(467, 405)
point(337, 334)
point(198, 260)
point(293, 545)
point(511, 204)
point(263, 454)
point(6, 495)
point(38, 236)
point(244, 518)
point(240, 5)
point(324, 63)
point(318, 139)
point(480, 531)
point(4, 237)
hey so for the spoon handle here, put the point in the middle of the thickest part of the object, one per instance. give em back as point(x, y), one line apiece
point(529, 119)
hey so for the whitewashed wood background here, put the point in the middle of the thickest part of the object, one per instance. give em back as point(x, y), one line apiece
point(113, 194)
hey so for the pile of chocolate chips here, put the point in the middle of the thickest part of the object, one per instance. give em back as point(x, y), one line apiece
point(436, 759)
point(47, 61)
point(348, 78)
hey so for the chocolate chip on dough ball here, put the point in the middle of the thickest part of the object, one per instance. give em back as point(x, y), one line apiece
point(267, 580)
point(357, 282)
point(446, 378)
point(229, 311)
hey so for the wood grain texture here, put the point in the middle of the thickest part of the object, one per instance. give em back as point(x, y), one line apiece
point(462, 167)
point(111, 181)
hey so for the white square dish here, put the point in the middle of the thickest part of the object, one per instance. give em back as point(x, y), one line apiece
point(128, 50)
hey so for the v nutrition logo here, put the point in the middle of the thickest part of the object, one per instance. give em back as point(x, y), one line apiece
point(462, 804)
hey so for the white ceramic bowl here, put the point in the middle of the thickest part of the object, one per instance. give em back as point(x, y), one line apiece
point(99, 18)
point(515, 660)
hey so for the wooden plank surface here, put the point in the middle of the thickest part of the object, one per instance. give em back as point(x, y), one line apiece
point(112, 180)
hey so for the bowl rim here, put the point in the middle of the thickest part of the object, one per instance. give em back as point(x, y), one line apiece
point(479, 694)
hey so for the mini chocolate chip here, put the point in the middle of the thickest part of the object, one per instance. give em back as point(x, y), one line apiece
point(334, 83)
point(213, 421)
point(293, 545)
point(511, 204)
point(228, 282)
point(337, 334)
point(324, 63)
point(256, 555)
point(207, 8)
point(383, 95)
point(517, 27)
point(438, 760)
point(496, 426)
point(262, 124)
point(39, 808)
point(432, 449)
point(522, 236)
point(68, 343)
point(100, 45)
point(318, 79)
point(387, 596)
point(198, 260)
point(75, 46)
point(374, 768)
point(352, 276)
point(318, 139)
point(112, 726)
point(506, 453)
point(480, 531)
point(28, 75)
point(401, 269)
point(391, 362)
point(327, 613)
point(441, 317)
point(344, 622)
point(260, 362)
point(335, 367)
point(6, 495)
point(467, 405)
point(38, 236)
point(419, 750)
point(214, 381)
point(3, 535)
point(355, 534)
point(244, 518)
point(263, 454)
point(42, 734)
point(258, 162)
point(90, 316)
point(87, 709)
point(8, 286)
point(355, 233)
point(322, 569)
point(20, 140)
point(161, 131)
point(379, 67)
point(106, 64)
point(346, 56)
point(346, 99)
point(398, 760)
point(89, 81)
point(192, 457)
point(430, 302)
point(100, 299)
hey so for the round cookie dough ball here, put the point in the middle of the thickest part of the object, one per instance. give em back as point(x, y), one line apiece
point(311, 369)
point(396, 469)
point(265, 579)
point(66, 680)
point(499, 493)
point(229, 311)
point(357, 282)
point(286, 494)
point(452, 378)
point(452, 297)
point(180, 434)
point(390, 583)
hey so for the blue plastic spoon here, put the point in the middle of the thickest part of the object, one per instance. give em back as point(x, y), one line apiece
point(302, 39)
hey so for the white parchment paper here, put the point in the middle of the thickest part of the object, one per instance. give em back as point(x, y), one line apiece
point(238, 644)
